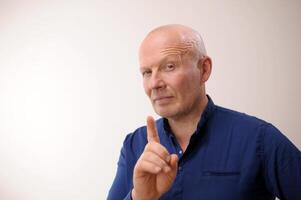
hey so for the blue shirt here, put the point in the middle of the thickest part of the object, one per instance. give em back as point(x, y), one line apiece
point(231, 156)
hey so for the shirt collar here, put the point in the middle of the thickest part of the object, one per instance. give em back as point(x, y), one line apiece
point(209, 109)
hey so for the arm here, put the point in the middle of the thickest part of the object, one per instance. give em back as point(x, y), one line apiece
point(119, 188)
point(282, 165)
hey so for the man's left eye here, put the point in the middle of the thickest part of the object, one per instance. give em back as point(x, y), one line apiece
point(170, 67)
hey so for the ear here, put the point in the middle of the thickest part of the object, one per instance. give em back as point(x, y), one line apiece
point(205, 66)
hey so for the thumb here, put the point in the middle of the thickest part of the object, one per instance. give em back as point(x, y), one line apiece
point(173, 163)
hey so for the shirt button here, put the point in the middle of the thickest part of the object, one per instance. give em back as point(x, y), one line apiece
point(180, 152)
point(180, 168)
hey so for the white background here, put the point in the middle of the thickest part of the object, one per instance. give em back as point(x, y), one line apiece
point(70, 89)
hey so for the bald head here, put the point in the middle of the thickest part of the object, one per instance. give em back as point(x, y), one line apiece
point(180, 38)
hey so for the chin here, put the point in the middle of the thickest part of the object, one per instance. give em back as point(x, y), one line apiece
point(164, 112)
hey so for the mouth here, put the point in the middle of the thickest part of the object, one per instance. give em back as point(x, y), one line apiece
point(162, 99)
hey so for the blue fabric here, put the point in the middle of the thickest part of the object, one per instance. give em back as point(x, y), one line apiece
point(231, 156)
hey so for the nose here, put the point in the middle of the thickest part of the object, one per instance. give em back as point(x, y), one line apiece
point(156, 81)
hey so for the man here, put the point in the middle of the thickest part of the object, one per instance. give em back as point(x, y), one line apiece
point(198, 150)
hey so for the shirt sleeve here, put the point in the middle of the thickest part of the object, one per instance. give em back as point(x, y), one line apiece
point(120, 189)
point(282, 165)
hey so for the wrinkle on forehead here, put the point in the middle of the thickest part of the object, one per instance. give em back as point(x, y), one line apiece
point(179, 49)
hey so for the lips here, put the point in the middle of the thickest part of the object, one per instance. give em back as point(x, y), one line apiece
point(162, 99)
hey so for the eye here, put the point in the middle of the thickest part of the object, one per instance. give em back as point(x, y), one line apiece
point(170, 67)
point(146, 73)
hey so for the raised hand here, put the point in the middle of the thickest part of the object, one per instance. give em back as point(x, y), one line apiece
point(155, 170)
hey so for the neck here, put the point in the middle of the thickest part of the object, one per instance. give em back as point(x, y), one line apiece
point(184, 126)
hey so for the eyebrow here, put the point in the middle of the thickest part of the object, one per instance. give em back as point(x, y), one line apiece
point(167, 58)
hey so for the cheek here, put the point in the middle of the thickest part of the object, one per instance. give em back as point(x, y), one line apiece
point(187, 85)
point(182, 82)
point(146, 88)
point(179, 87)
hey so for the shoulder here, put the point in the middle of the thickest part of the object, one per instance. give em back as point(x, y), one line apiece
point(265, 134)
point(247, 128)
point(242, 122)
point(275, 143)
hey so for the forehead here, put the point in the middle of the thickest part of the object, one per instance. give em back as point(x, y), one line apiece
point(161, 46)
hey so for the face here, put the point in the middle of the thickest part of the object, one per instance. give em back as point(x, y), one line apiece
point(171, 76)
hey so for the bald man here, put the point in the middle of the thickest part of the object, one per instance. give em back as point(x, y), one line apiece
point(199, 150)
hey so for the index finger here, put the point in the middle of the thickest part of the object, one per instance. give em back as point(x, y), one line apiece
point(152, 133)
